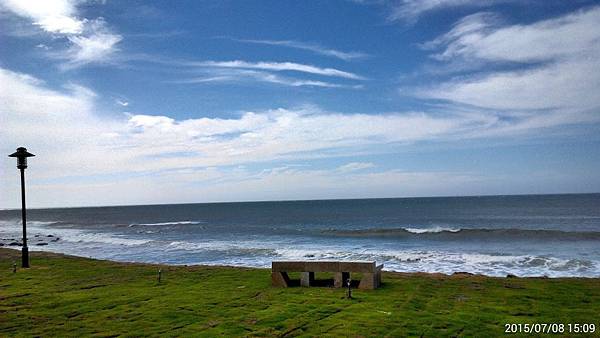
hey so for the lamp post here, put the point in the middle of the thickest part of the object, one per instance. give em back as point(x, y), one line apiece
point(21, 154)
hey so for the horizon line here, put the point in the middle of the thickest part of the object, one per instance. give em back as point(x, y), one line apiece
point(302, 200)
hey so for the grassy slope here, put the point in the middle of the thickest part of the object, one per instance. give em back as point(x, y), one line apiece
point(62, 296)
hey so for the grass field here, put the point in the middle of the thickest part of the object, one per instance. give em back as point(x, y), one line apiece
point(68, 296)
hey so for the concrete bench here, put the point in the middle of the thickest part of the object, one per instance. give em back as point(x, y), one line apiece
point(371, 273)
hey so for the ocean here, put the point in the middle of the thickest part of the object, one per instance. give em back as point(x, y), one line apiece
point(528, 235)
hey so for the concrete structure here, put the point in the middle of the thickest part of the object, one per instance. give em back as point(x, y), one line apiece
point(371, 273)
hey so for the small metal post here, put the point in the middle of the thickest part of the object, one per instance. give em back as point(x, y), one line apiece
point(159, 274)
point(15, 267)
point(349, 288)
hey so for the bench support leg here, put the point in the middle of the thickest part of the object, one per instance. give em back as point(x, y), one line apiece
point(341, 278)
point(307, 278)
point(368, 281)
point(280, 279)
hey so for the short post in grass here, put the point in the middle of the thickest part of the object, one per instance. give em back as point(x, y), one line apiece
point(159, 274)
point(15, 267)
point(349, 288)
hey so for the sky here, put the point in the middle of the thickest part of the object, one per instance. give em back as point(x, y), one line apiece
point(142, 102)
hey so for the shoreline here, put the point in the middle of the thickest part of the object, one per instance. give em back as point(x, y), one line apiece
point(457, 274)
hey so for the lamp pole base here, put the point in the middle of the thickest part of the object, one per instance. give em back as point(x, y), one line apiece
point(25, 257)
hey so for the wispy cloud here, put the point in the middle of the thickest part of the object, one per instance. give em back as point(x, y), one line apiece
point(95, 47)
point(355, 166)
point(409, 11)
point(278, 66)
point(122, 103)
point(313, 47)
point(245, 75)
point(482, 36)
point(560, 70)
point(239, 71)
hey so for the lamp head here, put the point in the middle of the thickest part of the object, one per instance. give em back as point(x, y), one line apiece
point(21, 154)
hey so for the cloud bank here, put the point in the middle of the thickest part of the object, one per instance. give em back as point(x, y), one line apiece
point(94, 154)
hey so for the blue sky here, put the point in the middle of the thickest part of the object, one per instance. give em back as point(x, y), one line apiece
point(136, 102)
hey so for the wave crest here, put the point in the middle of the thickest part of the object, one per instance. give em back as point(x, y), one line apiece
point(166, 223)
point(443, 233)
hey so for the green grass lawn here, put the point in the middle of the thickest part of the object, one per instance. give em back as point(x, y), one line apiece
point(69, 296)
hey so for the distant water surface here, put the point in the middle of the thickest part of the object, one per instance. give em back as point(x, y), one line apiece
point(533, 235)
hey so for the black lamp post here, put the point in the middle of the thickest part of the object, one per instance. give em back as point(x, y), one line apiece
point(21, 154)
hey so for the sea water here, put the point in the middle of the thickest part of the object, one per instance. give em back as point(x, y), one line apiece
point(532, 235)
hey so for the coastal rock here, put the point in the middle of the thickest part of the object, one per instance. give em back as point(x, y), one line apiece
point(15, 244)
point(511, 276)
point(49, 236)
point(42, 243)
point(411, 260)
point(462, 273)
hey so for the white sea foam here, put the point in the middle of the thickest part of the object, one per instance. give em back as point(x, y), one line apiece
point(16, 223)
point(42, 229)
point(166, 223)
point(259, 251)
point(431, 230)
point(97, 237)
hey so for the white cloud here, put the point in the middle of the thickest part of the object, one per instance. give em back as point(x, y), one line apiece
point(238, 71)
point(122, 103)
point(315, 48)
point(564, 85)
point(58, 126)
point(95, 47)
point(279, 133)
point(53, 16)
point(481, 36)
point(279, 66)
point(562, 56)
point(81, 154)
point(90, 41)
point(410, 10)
point(355, 166)
point(67, 125)
point(242, 75)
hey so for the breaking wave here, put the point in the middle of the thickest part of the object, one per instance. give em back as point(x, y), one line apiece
point(459, 234)
point(430, 230)
point(166, 223)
